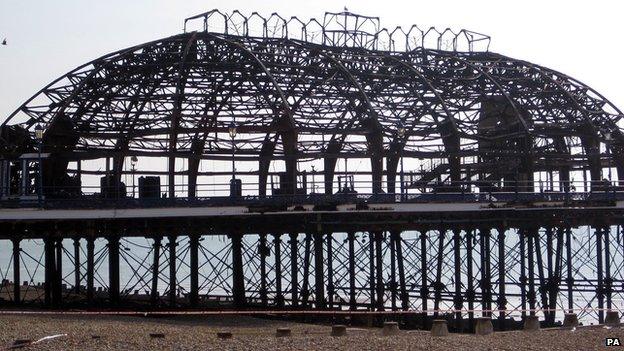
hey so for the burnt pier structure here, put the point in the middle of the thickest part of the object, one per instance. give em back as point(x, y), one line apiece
point(259, 162)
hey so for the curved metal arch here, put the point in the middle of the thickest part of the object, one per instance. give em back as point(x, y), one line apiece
point(124, 51)
point(289, 138)
point(374, 128)
point(494, 81)
point(448, 115)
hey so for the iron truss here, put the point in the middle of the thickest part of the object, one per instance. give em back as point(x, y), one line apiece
point(323, 91)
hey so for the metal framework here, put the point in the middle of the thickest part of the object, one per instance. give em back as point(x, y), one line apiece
point(467, 122)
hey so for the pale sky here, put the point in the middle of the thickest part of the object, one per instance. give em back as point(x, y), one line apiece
point(49, 38)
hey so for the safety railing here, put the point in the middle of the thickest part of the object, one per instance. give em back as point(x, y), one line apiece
point(358, 193)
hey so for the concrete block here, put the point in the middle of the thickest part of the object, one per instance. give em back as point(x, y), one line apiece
point(439, 327)
point(339, 330)
point(224, 335)
point(613, 318)
point(484, 326)
point(531, 323)
point(282, 332)
point(570, 320)
point(390, 328)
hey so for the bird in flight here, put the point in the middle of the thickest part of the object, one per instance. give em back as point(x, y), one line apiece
point(4, 42)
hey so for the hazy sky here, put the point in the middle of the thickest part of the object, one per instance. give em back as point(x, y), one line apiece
point(49, 38)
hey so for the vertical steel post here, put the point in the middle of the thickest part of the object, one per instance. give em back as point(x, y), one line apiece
point(530, 259)
point(393, 282)
point(599, 269)
point(319, 274)
point(502, 299)
point(438, 282)
point(330, 271)
point(352, 295)
point(57, 291)
point(194, 270)
point(458, 301)
point(371, 268)
point(523, 278)
point(50, 268)
point(569, 279)
point(424, 289)
point(90, 269)
point(262, 250)
point(16, 271)
point(154, 294)
point(305, 289)
point(294, 270)
point(238, 278)
point(172, 270)
point(401, 267)
point(279, 295)
point(470, 290)
point(379, 270)
point(77, 265)
point(607, 265)
point(113, 269)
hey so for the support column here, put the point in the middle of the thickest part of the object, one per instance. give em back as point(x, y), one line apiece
point(486, 277)
point(607, 264)
point(238, 278)
point(194, 268)
point(172, 270)
point(371, 269)
point(502, 300)
point(523, 278)
point(531, 278)
point(401, 267)
point(17, 283)
point(458, 300)
point(294, 270)
point(569, 279)
point(113, 269)
point(393, 282)
point(379, 270)
point(263, 249)
point(330, 271)
point(351, 258)
point(319, 274)
point(50, 269)
point(77, 265)
point(438, 282)
point(154, 294)
point(279, 298)
point(424, 289)
point(90, 269)
point(599, 269)
point(305, 289)
point(470, 290)
point(57, 291)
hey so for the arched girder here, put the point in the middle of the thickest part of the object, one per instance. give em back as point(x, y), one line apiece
point(94, 71)
point(374, 137)
point(451, 142)
point(177, 111)
point(283, 119)
point(528, 139)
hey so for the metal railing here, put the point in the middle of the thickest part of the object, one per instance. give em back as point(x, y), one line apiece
point(359, 194)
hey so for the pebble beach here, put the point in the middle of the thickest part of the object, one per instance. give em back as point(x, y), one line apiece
point(200, 333)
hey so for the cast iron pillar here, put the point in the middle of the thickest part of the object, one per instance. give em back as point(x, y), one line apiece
point(172, 270)
point(319, 276)
point(113, 269)
point(16, 271)
point(154, 293)
point(194, 268)
point(90, 269)
point(294, 270)
point(238, 278)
